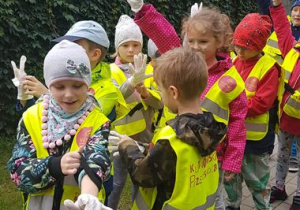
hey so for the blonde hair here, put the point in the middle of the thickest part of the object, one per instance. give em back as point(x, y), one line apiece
point(211, 19)
point(185, 69)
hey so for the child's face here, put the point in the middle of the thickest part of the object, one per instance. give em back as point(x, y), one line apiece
point(203, 40)
point(295, 16)
point(245, 54)
point(127, 50)
point(69, 94)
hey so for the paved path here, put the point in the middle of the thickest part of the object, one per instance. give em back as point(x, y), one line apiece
point(291, 185)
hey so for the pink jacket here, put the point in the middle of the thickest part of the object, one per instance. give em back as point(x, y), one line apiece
point(231, 151)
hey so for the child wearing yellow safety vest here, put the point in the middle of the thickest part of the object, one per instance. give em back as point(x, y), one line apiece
point(289, 99)
point(208, 31)
point(61, 159)
point(260, 73)
point(180, 169)
point(142, 99)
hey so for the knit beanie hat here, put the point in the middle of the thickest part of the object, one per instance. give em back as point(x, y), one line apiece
point(253, 32)
point(67, 61)
point(296, 3)
point(127, 30)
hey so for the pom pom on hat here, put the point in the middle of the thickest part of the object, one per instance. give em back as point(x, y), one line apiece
point(253, 32)
point(127, 30)
point(67, 61)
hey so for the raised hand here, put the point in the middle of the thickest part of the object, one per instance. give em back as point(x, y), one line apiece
point(195, 8)
point(19, 78)
point(34, 87)
point(138, 70)
point(135, 5)
point(276, 2)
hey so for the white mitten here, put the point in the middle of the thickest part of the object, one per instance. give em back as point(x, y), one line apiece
point(114, 138)
point(138, 69)
point(90, 202)
point(70, 205)
point(136, 5)
point(195, 8)
point(19, 79)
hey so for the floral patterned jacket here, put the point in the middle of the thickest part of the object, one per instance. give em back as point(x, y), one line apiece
point(32, 175)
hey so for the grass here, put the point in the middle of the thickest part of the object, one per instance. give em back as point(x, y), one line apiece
point(10, 198)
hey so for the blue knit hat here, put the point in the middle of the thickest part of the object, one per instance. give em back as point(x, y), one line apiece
point(296, 3)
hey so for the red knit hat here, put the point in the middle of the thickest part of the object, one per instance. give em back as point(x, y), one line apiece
point(253, 32)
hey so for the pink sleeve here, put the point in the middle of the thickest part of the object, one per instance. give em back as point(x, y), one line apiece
point(236, 136)
point(282, 27)
point(157, 28)
point(265, 95)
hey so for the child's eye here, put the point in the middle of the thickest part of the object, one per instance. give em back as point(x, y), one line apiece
point(77, 86)
point(59, 87)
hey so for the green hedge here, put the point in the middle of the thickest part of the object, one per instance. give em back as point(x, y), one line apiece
point(28, 26)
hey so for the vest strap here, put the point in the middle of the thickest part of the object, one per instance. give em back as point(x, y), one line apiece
point(289, 88)
point(136, 108)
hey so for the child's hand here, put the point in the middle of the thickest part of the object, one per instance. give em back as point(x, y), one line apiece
point(70, 162)
point(138, 69)
point(276, 2)
point(195, 9)
point(142, 90)
point(19, 78)
point(85, 202)
point(136, 5)
point(228, 176)
point(34, 87)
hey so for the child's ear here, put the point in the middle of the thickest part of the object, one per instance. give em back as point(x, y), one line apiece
point(174, 92)
point(96, 54)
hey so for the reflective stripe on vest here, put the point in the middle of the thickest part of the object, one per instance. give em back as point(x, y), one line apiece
point(215, 108)
point(272, 48)
point(196, 177)
point(129, 125)
point(257, 127)
point(292, 103)
point(227, 88)
point(32, 122)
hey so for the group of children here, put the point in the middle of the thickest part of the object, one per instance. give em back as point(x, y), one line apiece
point(187, 125)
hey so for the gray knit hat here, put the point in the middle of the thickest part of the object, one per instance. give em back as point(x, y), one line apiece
point(67, 61)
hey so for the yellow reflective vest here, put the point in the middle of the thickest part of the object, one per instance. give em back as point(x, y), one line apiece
point(32, 121)
point(196, 180)
point(227, 88)
point(291, 106)
point(257, 127)
point(105, 92)
point(133, 121)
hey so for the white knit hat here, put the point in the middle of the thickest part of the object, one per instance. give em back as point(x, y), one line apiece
point(67, 61)
point(127, 30)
